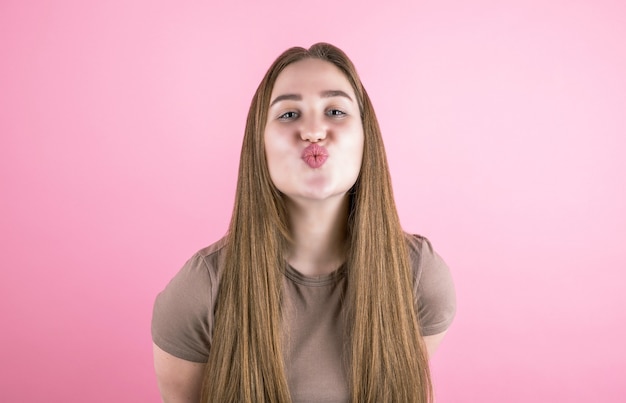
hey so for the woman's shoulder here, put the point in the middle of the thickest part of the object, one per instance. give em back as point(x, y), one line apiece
point(202, 268)
point(182, 316)
point(423, 257)
point(212, 255)
point(420, 248)
point(433, 286)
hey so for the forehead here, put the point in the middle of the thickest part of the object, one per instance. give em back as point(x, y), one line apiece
point(311, 75)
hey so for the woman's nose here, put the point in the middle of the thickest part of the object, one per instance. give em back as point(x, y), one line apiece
point(313, 130)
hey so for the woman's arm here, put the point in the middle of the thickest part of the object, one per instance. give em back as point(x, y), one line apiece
point(180, 381)
point(432, 342)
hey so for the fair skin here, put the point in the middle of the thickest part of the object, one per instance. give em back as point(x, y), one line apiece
point(179, 381)
point(312, 102)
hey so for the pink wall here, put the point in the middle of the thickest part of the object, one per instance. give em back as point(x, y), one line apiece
point(121, 124)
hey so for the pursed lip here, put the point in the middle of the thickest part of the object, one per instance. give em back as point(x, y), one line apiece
point(315, 155)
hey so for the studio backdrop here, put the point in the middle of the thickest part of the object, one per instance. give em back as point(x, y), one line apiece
point(505, 127)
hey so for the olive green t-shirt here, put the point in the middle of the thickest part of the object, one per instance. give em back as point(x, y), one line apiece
point(182, 320)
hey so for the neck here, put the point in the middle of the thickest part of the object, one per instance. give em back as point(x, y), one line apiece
point(319, 232)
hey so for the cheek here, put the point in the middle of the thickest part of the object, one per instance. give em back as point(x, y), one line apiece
point(358, 147)
point(275, 151)
point(276, 158)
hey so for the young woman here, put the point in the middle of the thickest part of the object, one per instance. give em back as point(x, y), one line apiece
point(315, 294)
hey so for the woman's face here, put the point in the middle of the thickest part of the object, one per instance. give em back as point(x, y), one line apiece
point(314, 136)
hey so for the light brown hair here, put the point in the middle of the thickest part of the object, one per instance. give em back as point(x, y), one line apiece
point(385, 356)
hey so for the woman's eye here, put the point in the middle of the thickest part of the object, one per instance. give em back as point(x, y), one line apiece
point(288, 116)
point(335, 113)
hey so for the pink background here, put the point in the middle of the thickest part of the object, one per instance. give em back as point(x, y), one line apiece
point(505, 125)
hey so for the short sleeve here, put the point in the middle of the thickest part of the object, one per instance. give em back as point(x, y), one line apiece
point(183, 311)
point(435, 298)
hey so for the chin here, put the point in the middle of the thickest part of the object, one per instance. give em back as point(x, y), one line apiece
point(319, 196)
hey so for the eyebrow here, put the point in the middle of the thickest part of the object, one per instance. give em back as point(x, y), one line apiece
point(298, 97)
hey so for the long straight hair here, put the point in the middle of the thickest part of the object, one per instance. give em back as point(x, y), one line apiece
point(386, 357)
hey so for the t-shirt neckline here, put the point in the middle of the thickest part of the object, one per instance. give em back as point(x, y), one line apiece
point(315, 281)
